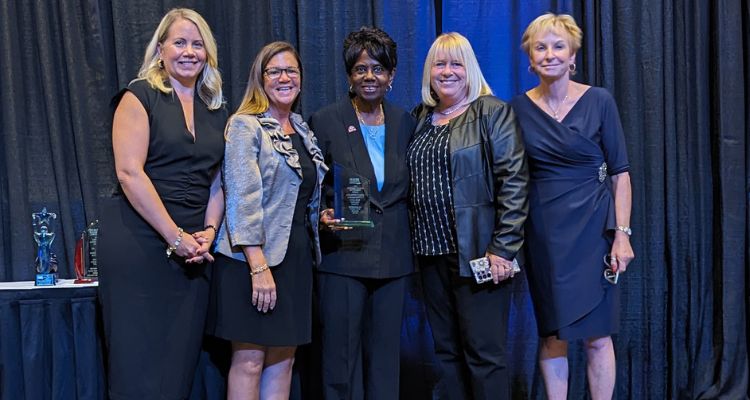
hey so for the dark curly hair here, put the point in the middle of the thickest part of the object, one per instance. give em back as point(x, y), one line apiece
point(378, 45)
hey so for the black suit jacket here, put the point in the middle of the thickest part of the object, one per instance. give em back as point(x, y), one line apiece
point(383, 251)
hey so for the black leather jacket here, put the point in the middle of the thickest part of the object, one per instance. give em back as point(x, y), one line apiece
point(489, 176)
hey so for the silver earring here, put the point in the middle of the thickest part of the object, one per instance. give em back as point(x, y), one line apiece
point(351, 89)
point(390, 87)
point(572, 68)
point(160, 63)
point(530, 69)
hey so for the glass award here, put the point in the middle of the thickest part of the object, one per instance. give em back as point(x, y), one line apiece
point(86, 267)
point(46, 261)
point(351, 197)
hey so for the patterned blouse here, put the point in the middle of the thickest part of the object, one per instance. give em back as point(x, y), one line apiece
point(431, 198)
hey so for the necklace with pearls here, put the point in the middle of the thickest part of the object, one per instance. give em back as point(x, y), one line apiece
point(453, 108)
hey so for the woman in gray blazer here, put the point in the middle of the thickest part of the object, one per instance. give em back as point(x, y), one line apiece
point(268, 241)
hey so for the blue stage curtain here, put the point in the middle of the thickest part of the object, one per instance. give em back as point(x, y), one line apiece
point(494, 28)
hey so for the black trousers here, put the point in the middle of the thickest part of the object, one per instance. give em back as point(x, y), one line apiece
point(469, 326)
point(360, 334)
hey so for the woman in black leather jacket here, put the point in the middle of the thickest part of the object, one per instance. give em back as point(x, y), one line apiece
point(468, 200)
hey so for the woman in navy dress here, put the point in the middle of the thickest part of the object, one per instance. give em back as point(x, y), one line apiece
point(155, 233)
point(579, 207)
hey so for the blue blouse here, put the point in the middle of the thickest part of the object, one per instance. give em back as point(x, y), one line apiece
point(374, 136)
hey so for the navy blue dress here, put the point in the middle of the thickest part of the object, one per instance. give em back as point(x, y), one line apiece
point(571, 219)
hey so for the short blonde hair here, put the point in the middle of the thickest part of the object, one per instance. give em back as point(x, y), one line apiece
point(255, 100)
point(549, 22)
point(209, 81)
point(456, 47)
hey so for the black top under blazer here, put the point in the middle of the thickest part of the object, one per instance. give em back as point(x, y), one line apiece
point(384, 251)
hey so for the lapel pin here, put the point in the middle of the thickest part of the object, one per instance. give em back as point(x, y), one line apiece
point(351, 129)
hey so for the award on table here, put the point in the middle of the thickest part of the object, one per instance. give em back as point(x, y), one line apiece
point(46, 261)
point(86, 267)
point(351, 197)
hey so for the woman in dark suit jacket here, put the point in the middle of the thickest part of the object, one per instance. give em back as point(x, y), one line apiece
point(363, 276)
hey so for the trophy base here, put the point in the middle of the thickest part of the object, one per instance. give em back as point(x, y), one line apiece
point(357, 224)
point(84, 280)
point(45, 280)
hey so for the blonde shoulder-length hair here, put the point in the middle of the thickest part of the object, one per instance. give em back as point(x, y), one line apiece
point(454, 46)
point(209, 81)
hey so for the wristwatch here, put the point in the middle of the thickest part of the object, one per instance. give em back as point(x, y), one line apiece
point(625, 229)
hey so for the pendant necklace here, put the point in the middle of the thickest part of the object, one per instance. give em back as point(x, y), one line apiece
point(555, 110)
point(372, 130)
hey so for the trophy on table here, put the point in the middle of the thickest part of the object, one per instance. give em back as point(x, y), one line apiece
point(86, 267)
point(351, 197)
point(46, 261)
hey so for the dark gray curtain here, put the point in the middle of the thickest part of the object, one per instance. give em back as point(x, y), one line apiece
point(679, 70)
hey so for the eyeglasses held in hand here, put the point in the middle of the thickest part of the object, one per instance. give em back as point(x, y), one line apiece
point(610, 275)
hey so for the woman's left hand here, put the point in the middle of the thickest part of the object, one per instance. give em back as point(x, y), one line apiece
point(500, 268)
point(621, 253)
point(205, 238)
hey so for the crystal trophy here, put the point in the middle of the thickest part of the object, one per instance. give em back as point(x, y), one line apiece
point(46, 261)
point(86, 267)
point(351, 197)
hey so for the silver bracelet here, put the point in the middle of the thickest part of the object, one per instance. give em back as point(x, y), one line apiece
point(625, 229)
point(172, 248)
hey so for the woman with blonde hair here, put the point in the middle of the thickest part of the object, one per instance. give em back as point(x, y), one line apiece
point(578, 231)
point(468, 201)
point(268, 243)
point(156, 231)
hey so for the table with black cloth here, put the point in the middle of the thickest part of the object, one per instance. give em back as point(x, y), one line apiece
point(50, 347)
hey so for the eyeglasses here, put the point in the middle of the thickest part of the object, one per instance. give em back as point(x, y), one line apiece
point(275, 73)
point(361, 70)
point(610, 275)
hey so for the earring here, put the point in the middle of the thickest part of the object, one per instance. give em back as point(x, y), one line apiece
point(351, 89)
point(390, 86)
point(572, 68)
point(160, 63)
point(530, 69)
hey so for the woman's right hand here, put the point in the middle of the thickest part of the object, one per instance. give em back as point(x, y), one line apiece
point(264, 290)
point(328, 221)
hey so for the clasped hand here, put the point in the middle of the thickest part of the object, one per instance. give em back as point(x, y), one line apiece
point(195, 248)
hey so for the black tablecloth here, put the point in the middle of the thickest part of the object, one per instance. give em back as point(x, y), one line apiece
point(49, 344)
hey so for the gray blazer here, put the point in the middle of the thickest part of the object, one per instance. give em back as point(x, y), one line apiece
point(261, 177)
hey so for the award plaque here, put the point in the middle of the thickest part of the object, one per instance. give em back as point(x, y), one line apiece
point(87, 270)
point(46, 261)
point(351, 197)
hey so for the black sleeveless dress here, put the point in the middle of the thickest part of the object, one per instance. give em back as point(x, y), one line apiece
point(154, 307)
point(290, 323)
